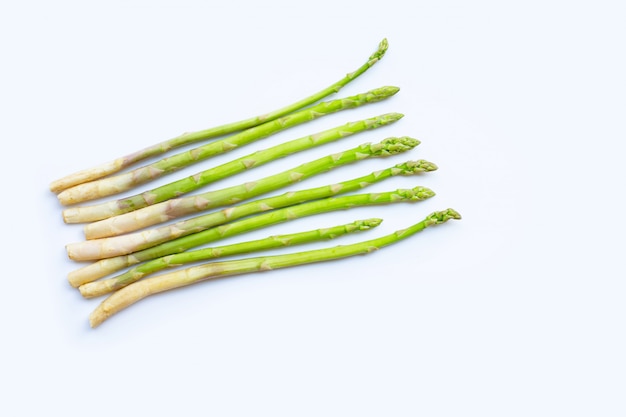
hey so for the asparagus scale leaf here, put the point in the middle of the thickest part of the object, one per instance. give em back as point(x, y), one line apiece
point(118, 164)
point(141, 289)
point(132, 242)
point(102, 287)
point(107, 266)
point(125, 220)
point(123, 182)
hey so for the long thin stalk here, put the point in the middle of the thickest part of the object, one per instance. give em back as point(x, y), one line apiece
point(178, 207)
point(102, 287)
point(107, 266)
point(177, 279)
point(123, 182)
point(133, 242)
point(187, 138)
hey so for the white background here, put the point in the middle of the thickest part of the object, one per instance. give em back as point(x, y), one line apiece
point(516, 310)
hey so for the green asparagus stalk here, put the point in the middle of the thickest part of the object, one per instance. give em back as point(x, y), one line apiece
point(102, 287)
point(112, 185)
point(125, 244)
point(192, 137)
point(107, 266)
point(171, 164)
point(154, 285)
point(177, 207)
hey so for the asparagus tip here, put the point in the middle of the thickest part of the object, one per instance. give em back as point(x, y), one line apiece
point(423, 165)
point(393, 145)
point(381, 93)
point(421, 193)
point(368, 223)
point(380, 52)
point(390, 89)
point(413, 167)
point(414, 194)
point(384, 119)
point(443, 216)
point(362, 225)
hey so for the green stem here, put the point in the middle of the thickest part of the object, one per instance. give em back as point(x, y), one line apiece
point(141, 289)
point(123, 182)
point(132, 242)
point(188, 138)
point(116, 223)
point(98, 288)
point(106, 266)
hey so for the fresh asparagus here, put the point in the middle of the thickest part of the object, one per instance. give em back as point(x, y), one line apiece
point(154, 285)
point(107, 266)
point(102, 287)
point(125, 244)
point(177, 207)
point(192, 137)
point(123, 182)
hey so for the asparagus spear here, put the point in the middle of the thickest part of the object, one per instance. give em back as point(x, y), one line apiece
point(133, 242)
point(102, 287)
point(104, 267)
point(188, 138)
point(123, 182)
point(177, 207)
point(154, 285)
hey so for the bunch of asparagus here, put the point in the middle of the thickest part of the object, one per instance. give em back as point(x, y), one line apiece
point(119, 234)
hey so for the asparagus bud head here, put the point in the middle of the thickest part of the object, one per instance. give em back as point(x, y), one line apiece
point(380, 52)
point(393, 146)
point(439, 217)
point(365, 224)
point(381, 93)
point(372, 96)
point(383, 120)
point(421, 165)
point(413, 167)
point(415, 194)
